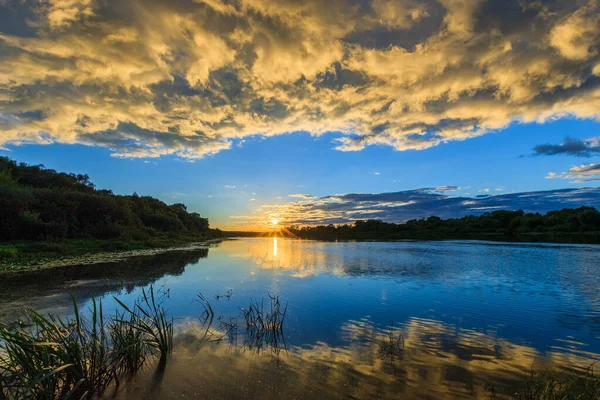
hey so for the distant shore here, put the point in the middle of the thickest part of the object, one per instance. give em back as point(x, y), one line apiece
point(23, 256)
point(583, 238)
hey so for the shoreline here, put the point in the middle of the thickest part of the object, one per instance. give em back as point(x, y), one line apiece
point(41, 262)
point(575, 238)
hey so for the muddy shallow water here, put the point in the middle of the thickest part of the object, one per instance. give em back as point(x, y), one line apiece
point(470, 314)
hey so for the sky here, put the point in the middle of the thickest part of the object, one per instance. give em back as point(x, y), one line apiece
point(254, 111)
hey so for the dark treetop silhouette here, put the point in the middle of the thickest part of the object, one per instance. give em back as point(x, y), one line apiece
point(580, 225)
point(41, 204)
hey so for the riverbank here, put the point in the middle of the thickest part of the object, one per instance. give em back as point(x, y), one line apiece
point(23, 256)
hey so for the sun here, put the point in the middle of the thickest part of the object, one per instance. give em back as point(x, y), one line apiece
point(275, 222)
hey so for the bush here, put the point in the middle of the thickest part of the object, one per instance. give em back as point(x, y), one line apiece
point(8, 252)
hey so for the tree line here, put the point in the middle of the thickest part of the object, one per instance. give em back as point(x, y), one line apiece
point(37, 203)
point(579, 225)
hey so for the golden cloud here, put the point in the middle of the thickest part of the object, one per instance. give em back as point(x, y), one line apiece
point(419, 203)
point(150, 78)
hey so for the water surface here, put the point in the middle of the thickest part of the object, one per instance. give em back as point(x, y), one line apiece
point(470, 314)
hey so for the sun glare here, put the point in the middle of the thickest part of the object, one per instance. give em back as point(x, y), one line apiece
point(275, 222)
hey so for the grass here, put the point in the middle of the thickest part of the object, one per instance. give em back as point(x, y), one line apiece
point(261, 327)
point(149, 319)
point(129, 349)
point(16, 256)
point(47, 357)
point(7, 252)
point(552, 385)
point(270, 319)
point(53, 358)
point(264, 326)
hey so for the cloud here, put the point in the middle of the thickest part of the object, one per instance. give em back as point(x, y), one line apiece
point(442, 189)
point(582, 173)
point(576, 37)
point(302, 196)
point(417, 203)
point(230, 186)
point(196, 77)
point(570, 146)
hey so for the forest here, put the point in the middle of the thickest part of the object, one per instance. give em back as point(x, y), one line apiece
point(580, 225)
point(41, 204)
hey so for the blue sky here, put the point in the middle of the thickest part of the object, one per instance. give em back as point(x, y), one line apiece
point(267, 168)
point(250, 101)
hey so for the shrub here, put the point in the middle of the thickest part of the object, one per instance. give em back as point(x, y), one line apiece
point(8, 252)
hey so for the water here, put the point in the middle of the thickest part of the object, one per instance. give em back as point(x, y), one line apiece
point(470, 314)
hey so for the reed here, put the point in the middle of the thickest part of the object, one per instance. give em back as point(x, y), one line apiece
point(392, 345)
point(552, 385)
point(130, 350)
point(270, 319)
point(149, 319)
point(49, 358)
point(46, 357)
point(264, 326)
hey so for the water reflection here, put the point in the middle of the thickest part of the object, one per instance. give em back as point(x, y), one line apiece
point(494, 283)
point(469, 314)
point(436, 363)
point(51, 290)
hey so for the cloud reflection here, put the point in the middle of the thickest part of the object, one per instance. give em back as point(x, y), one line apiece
point(439, 361)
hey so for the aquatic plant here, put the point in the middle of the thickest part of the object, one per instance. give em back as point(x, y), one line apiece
point(227, 295)
point(552, 385)
point(265, 320)
point(130, 350)
point(264, 326)
point(149, 318)
point(48, 358)
point(393, 344)
point(206, 318)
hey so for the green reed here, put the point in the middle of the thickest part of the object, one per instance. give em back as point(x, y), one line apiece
point(47, 357)
point(130, 350)
point(149, 318)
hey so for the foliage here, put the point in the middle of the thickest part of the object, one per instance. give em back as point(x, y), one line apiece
point(41, 204)
point(8, 252)
point(567, 225)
